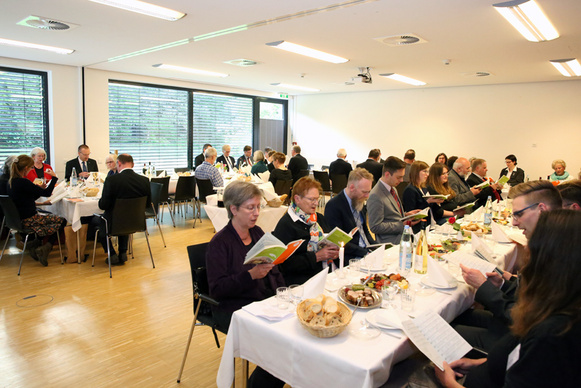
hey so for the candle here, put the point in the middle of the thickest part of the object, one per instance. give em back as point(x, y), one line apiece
point(341, 256)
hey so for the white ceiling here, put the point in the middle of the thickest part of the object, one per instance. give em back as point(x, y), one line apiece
point(468, 32)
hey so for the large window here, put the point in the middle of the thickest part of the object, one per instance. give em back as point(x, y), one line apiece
point(23, 112)
point(169, 126)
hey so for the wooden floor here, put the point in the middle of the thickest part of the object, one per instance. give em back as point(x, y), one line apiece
point(71, 325)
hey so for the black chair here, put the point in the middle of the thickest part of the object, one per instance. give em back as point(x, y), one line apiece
point(339, 182)
point(164, 196)
point(128, 217)
point(323, 178)
point(181, 169)
point(283, 187)
point(302, 174)
point(152, 211)
point(202, 300)
point(12, 220)
point(325, 168)
point(205, 188)
point(401, 187)
point(185, 192)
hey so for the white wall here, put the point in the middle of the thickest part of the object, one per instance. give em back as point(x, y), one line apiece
point(538, 122)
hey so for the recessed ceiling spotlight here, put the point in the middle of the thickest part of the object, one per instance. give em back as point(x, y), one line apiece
point(307, 51)
point(190, 70)
point(242, 62)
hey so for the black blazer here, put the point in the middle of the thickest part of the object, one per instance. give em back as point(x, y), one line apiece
point(91, 167)
point(222, 159)
point(413, 198)
point(296, 164)
point(375, 168)
point(302, 265)
point(340, 167)
point(516, 176)
point(199, 160)
point(338, 214)
point(486, 192)
point(241, 162)
point(124, 185)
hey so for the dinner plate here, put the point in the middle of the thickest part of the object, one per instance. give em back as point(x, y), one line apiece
point(374, 318)
point(343, 297)
point(363, 268)
point(427, 283)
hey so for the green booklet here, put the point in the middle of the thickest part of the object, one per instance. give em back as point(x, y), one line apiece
point(483, 185)
point(502, 180)
point(270, 249)
point(437, 196)
point(336, 237)
point(417, 216)
point(466, 206)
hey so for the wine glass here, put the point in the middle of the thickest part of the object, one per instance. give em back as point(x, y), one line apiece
point(389, 290)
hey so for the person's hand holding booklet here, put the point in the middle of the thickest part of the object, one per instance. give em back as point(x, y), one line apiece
point(270, 249)
point(337, 237)
point(416, 216)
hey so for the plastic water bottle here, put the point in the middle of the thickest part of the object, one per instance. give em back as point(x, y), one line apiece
point(488, 212)
point(153, 172)
point(74, 178)
point(406, 250)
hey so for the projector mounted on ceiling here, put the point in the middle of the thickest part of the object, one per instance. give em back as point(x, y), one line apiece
point(364, 76)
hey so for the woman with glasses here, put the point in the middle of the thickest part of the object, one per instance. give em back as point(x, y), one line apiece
point(41, 172)
point(231, 282)
point(111, 162)
point(413, 195)
point(437, 183)
point(515, 174)
point(544, 346)
point(303, 222)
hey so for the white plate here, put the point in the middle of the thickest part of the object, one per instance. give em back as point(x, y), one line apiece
point(365, 269)
point(427, 283)
point(390, 315)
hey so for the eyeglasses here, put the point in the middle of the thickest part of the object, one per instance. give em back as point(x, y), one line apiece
point(311, 200)
point(518, 214)
point(251, 209)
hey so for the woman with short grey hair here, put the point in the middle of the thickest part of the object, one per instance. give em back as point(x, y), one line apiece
point(259, 165)
point(41, 171)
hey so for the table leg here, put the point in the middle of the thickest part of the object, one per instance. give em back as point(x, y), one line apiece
point(244, 373)
point(71, 242)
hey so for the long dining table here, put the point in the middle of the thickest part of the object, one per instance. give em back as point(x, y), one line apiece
point(286, 350)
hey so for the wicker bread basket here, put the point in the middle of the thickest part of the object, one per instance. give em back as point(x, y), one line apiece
point(325, 331)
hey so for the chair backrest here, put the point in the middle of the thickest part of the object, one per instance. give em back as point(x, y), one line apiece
point(197, 256)
point(11, 216)
point(128, 216)
point(156, 189)
point(339, 182)
point(325, 168)
point(323, 178)
point(205, 188)
point(163, 195)
point(185, 188)
point(303, 173)
point(181, 169)
point(283, 187)
point(401, 187)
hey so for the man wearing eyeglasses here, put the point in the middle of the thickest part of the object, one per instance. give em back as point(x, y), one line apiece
point(482, 328)
point(83, 164)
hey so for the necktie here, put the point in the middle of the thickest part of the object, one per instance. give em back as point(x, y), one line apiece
point(363, 240)
point(85, 167)
point(248, 161)
point(229, 162)
point(396, 200)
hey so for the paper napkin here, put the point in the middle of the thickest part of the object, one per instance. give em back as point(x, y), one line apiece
point(374, 260)
point(478, 245)
point(498, 233)
point(268, 309)
point(315, 285)
point(438, 276)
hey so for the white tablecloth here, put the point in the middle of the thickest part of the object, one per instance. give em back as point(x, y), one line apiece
point(73, 211)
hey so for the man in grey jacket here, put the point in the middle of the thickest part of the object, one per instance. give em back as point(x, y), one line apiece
point(456, 180)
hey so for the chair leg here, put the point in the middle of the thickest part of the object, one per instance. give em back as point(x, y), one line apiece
point(60, 247)
point(109, 257)
point(189, 340)
point(149, 247)
point(22, 255)
point(216, 337)
point(95, 247)
point(6, 242)
point(171, 215)
point(160, 232)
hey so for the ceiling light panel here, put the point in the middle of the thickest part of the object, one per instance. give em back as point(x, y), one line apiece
point(568, 67)
point(144, 9)
point(529, 19)
point(16, 43)
point(307, 51)
point(403, 78)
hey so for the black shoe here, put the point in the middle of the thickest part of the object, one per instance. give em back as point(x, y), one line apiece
point(114, 259)
point(85, 258)
point(43, 253)
point(123, 257)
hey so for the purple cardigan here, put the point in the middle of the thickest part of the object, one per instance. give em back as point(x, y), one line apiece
point(229, 280)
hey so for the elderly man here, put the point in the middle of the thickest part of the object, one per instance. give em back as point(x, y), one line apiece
point(409, 158)
point(373, 165)
point(478, 175)
point(347, 210)
point(246, 159)
point(206, 170)
point(228, 161)
point(123, 185)
point(200, 158)
point(297, 163)
point(83, 164)
point(482, 328)
point(384, 205)
point(340, 166)
point(456, 180)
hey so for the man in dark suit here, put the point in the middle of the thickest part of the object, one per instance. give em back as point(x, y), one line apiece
point(83, 164)
point(340, 166)
point(297, 163)
point(226, 160)
point(456, 180)
point(200, 158)
point(479, 170)
point(126, 184)
point(373, 165)
point(347, 210)
point(246, 159)
point(409, 158)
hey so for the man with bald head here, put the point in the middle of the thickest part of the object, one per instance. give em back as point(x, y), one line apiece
point(456, 180)
point(340, 166)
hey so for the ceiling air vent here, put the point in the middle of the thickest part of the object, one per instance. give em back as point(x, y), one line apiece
point(477, 74)
point(44, 23)
point(401, 40)
point(242, 62)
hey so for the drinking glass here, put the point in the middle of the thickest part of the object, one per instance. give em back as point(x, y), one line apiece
point(408, 298)
point(282, 297)
point(388, 292)
point(296, 293)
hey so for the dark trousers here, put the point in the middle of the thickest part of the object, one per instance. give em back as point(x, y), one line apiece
point(479, 328)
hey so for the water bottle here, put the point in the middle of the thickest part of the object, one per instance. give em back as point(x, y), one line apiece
point(149, 170)
point(144, 169)
point(488, 212)
point(406, 250)
point(74, 178)
point(153, 173)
